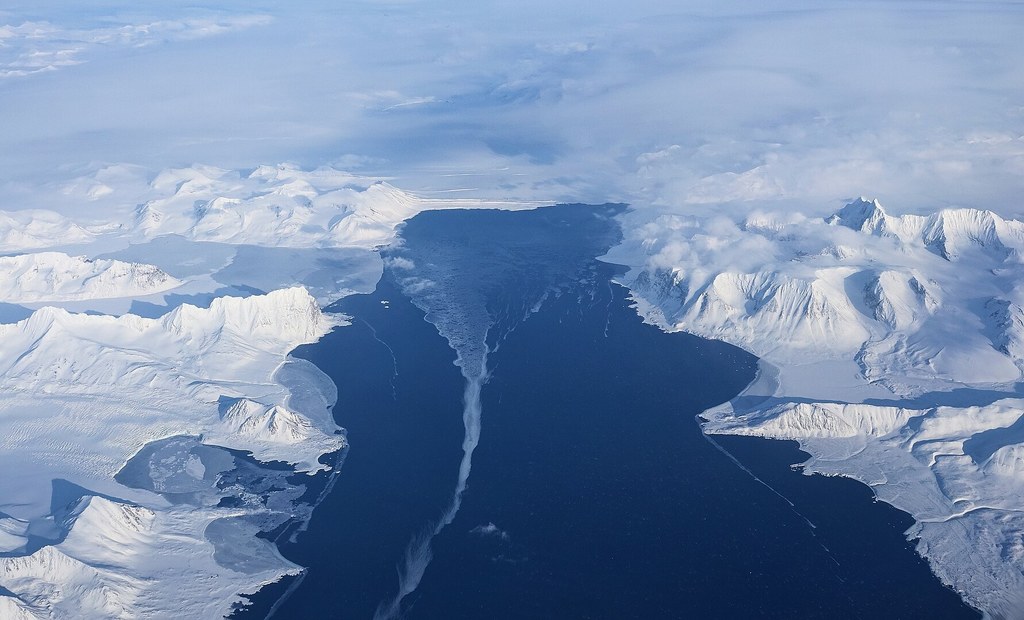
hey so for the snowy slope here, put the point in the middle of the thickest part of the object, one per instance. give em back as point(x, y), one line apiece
point(54, 276)
point(80, 395)
point(866, 323)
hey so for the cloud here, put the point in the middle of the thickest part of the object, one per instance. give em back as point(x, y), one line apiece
point(399, 262)
point(686, 106)
point(35, 47)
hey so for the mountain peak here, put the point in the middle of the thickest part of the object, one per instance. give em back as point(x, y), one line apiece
point(861, 214)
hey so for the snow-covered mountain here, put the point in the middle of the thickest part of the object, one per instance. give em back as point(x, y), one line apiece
point(54, 276)
point(211, 230)
point(289, 221)
point(889, 290)
point(950, 233)
point(281, 206)
point(227, 350)
point(37, 228)
point(891, 350)
point(81, 394)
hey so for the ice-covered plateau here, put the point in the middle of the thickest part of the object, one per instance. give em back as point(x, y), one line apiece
point(891, 348)
point(81, 394)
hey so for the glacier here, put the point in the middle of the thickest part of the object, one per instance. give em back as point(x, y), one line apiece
point(889, 348)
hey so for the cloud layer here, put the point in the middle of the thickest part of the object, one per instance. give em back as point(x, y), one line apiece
point(686, 105)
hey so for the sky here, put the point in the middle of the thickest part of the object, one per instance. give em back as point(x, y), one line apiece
point(687, 106)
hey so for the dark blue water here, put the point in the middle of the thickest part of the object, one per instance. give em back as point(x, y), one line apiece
point(593, 493)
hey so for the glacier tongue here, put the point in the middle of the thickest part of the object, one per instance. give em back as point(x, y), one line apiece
point(891, 350)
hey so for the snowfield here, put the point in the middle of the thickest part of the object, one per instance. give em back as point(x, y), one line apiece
point(891, 349)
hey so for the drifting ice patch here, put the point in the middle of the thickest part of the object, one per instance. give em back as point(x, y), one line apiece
point(489, 530)
point(476, 275)
point(465, 327)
